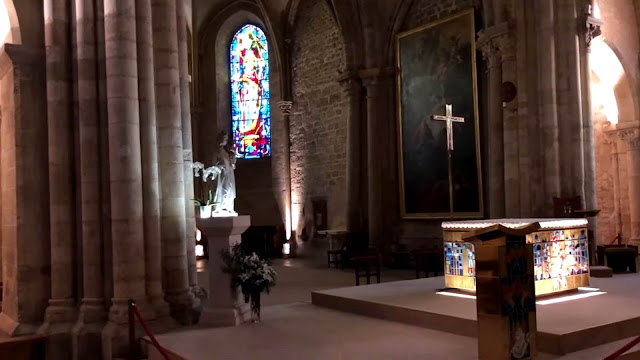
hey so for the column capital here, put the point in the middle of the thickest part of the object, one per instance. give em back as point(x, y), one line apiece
point(497, 41)
point(285, 107)
point(373, 76)
point(490, 52)
point(631, 136)
point(593, 26)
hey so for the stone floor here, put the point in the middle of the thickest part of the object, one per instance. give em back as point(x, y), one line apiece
point(292, 328)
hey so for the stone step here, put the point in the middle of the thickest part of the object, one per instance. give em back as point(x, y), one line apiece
point(601, 271)
point(600, 352)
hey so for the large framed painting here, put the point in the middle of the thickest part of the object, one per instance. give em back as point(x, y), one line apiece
point(439, 149)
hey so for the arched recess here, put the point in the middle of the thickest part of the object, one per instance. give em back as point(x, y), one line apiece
point(260, 182)
point(9, 24)
point(9, 33)
point(613, 104)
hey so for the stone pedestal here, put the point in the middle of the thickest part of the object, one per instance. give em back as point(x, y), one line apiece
point(224, 306)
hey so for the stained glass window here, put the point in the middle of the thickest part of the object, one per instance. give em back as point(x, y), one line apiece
point(250, 110)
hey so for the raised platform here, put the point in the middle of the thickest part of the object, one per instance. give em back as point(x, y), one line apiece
point(608, 315)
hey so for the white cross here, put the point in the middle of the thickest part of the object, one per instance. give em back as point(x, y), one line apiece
point(450, 119)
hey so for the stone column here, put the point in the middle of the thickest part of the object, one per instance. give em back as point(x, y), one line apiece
point(569, 100)
point(591, 30)
point(25, 190)
point(511, 127)
point(353, 90)
point(611, 138)
point(125, 171)
point(92, 313)
point(171, 160)
point(547, 106)
point(60, 314)
point(632, 137)
point(378, 84)
point(286, 107)
point(495, 141)
point(149, 149)
point(187, 147)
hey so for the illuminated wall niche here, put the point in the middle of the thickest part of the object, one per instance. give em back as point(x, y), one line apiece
point(250, 105)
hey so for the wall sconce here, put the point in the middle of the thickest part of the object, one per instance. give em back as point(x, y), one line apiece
point(201, 246)
point(286, 250)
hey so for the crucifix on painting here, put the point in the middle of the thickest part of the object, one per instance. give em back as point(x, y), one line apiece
point(436, 73)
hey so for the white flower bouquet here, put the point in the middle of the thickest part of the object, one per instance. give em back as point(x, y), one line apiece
point(252, 274)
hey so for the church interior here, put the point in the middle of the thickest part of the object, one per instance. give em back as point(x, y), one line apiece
point(376, 179)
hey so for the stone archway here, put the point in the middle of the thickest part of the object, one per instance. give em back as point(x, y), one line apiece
point(259, 181)
point(612, 109)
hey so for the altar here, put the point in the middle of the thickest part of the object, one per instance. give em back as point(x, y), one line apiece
point(560, 252)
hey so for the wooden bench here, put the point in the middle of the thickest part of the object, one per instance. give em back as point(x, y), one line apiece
point(620, 258)
point(28, 347)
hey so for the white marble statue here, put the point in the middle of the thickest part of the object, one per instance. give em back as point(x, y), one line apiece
point(225, 160)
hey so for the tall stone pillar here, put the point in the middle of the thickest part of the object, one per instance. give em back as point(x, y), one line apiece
point(632, 137)
point(495, 139)
point(187, 147)
point(379, 84)
point(547, 105)
point(149, 149)
point(92, 313)
point(591, 30)
point(171, 160)
point(285, 108)
point(127, 225)
point(511, 127)
point(355, 218)
point(569, 98)
point(60, 314)
point(26, 265)
point(612, 138)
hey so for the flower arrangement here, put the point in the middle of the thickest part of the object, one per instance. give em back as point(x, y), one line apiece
point(211, 172)
point(250, 273)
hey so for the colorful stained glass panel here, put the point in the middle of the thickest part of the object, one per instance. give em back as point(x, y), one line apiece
point(250, 103)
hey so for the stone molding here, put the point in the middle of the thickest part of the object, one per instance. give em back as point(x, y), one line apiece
point(371, 76)
point(285, 107)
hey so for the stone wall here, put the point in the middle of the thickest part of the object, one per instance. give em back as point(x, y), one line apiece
point(423, 12)
point(320, 114)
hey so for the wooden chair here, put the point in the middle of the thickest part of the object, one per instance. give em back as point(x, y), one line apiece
point(428, 261)
point(335, 257)
point(367, 265)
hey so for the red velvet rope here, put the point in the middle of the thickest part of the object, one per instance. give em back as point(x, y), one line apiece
point(623, 349)
point(149, 334)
